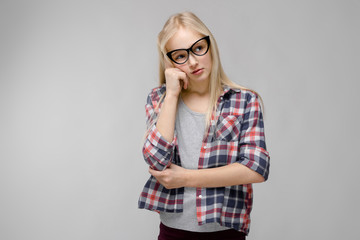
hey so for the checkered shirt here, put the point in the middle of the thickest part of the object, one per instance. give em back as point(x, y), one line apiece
point(236, 134)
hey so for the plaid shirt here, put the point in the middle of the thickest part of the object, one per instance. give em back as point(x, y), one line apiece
point(236, 134)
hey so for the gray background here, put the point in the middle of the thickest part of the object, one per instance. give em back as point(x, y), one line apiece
point(74, 76)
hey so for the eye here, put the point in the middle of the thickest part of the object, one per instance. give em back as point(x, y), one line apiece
point(198, 48)
point(179, 57)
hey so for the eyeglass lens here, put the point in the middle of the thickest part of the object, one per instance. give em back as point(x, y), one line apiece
point(199, 49)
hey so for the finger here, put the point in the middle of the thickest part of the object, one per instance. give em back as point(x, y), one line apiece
point(152, 171)
point(186, 83)
point(185, 79)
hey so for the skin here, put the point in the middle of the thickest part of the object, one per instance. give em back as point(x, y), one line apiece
point(191, 82)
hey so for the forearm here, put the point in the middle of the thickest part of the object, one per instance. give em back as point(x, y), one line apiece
point(166, 121)
point(229, 175)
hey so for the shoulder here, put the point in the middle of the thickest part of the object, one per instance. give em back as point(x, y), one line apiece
point(156, 93)
point(238, 101)
point(238, 94)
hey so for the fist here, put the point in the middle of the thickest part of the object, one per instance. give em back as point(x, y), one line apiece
point(176, 80)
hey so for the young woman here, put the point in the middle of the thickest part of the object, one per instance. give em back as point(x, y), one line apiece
point(205, 141)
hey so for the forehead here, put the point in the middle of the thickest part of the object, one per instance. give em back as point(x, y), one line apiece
point(183, 38)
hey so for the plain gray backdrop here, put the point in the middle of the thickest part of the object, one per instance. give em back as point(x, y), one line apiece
point(74, 76)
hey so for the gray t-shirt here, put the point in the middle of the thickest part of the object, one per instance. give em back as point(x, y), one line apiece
point(190, 128)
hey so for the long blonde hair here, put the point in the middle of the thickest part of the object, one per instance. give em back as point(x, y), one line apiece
point(218, 78)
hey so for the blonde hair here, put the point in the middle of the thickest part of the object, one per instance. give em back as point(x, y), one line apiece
point(218, 78)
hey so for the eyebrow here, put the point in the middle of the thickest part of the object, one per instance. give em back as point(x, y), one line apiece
point(186, 48)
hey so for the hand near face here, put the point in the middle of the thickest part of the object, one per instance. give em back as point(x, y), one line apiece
point(175, 79)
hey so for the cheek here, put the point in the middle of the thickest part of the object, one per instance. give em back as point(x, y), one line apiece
point(182, 67)
point(207, 61)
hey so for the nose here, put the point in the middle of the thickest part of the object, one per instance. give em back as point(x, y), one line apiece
point(193, 61)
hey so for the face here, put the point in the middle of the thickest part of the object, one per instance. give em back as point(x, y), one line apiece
point(197, 68)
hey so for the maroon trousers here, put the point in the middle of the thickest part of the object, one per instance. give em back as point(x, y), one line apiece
point(167, 233)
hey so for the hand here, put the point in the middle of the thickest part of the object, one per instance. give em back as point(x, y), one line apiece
point(172, 177)
point(175, 79)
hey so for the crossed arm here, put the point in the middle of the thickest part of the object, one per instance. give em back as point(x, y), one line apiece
point(234, 174)
point(175, 176)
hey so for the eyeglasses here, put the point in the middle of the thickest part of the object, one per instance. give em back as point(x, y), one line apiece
point(199, 48)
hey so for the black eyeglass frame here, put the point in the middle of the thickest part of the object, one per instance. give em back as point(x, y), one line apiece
point(207, 38)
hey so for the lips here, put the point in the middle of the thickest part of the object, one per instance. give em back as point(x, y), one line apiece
point(197, 71)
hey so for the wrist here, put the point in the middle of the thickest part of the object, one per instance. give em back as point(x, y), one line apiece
point(170, 96)
point(188, 178)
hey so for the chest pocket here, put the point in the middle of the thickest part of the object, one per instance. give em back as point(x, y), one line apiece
point(228, 127)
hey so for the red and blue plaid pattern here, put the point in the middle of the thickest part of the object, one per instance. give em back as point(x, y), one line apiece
point(236, 134)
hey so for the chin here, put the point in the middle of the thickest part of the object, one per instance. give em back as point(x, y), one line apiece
point(198, 80)
point(203, 77)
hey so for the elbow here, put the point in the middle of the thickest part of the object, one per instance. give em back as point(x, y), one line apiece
point(149, 159)
point(157, 154)
point(153, 161)
point(258, 178)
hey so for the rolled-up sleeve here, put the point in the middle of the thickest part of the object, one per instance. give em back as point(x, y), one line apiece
point(157, 151)
point(252, 146)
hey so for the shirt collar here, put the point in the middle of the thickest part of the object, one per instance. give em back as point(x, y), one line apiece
point(229, 90)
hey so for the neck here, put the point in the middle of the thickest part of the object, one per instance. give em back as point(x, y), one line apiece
point(197, 88)
point(197, 97)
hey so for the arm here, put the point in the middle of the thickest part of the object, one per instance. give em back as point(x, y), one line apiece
point(252, 165)
point(252, 147)
point(167, 117)
point(157, 151)
point(175, 80)
point(159, 145)
point(229, 175)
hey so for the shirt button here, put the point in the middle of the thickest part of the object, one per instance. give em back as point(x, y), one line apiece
point(200, 196)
